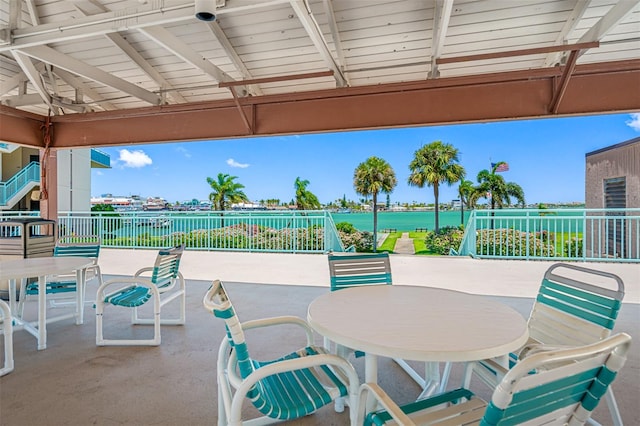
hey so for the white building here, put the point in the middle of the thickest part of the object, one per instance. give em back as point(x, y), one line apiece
point(20, 177)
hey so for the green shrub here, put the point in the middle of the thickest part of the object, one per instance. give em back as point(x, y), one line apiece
point(573, 247)
point(510, 242)
point(447, 238)
point(346, 227)
point(361, 240)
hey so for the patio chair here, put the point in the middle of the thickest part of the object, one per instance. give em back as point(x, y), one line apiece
point(354, 270)
point(575, 306)
point(7, 331)
point(65, 286)
point(559, 387)
point(289, 387)
point(164, 285)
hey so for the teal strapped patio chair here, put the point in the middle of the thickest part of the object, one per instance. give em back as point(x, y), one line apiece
point(292, 386)
point(355, 270)
point(165, 284)
point(65, 286)
point(575, 306)
point(552, 387)
point(6, 326)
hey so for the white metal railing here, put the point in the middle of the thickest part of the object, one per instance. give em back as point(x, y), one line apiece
point(263, 231)
point(604, 235)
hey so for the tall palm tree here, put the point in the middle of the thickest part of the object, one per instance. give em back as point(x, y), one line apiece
point(225, 191)
point(305, 199)
point(435, 164)
point(493, 185)
point(371, 177)
point(466, 192)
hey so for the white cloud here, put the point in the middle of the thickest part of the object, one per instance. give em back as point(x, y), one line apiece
point(134, 159)
point(183, 151)
point(234, 163)
point(99, 173)
point(634, 123)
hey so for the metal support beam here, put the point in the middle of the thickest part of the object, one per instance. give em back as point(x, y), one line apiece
point(524, 94)
point(20, 127)
point(564, 82)
point(520, 52)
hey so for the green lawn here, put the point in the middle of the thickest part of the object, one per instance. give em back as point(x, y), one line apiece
point(389, 243)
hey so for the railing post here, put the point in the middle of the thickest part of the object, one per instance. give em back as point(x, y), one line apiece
point(528, 236)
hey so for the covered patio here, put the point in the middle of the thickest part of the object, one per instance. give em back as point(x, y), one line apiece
point(281, 67)
point(73, 382)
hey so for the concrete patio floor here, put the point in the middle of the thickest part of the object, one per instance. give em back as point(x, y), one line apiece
point(73, 382)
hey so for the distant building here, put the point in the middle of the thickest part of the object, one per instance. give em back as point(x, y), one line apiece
point(613, 181)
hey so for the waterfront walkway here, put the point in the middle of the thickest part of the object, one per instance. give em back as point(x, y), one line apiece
point(404, 245)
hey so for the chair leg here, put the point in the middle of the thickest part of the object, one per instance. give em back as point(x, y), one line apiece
point(99, 313)
point(7, 330)
point(612, 405)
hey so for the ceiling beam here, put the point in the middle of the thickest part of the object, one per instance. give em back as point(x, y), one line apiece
point(520, 52)
point(11, 83)
point(564, 82)
point(215, 28)
point(504, 96)
point(278, 78)
point(86, 90)
point(182, 50)
point(441, 17)
point(35, 78)
point(617, 13)
point(335, 34)
point(53, 57)
point(33, 12)
point(310, 25)
point(153, 13)
point(21, 127)
point(131, 52)
point(580, 7)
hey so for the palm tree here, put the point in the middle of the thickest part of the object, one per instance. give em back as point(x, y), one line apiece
point(225, 191)
point(371, 177)
point(493, 185)
point(466, 192)
point(434, 164)
point(305, 199)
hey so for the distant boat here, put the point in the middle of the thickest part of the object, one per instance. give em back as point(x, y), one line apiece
point(154, 222)
point(154, 204)
point(344, 210)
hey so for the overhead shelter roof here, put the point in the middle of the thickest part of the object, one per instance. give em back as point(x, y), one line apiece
point(112, 72)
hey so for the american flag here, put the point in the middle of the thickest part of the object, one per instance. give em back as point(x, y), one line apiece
point(504, 167)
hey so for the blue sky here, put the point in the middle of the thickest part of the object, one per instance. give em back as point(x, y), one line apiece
point(546, 157)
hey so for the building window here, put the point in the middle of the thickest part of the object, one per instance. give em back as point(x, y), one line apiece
point(615, 197)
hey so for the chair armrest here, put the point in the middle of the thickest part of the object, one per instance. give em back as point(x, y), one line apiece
point(288, 319)
point(372, 389)
point(535, 348)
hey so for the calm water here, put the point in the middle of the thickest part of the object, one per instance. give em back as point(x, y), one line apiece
point(402, 221)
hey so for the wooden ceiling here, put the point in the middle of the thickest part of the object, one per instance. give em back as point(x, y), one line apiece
point(113, 72)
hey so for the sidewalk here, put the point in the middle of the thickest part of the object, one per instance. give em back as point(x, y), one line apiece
point(404, 245)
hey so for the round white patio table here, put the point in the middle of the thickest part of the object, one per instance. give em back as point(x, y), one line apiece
point(42, 267)
point(417, 323)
